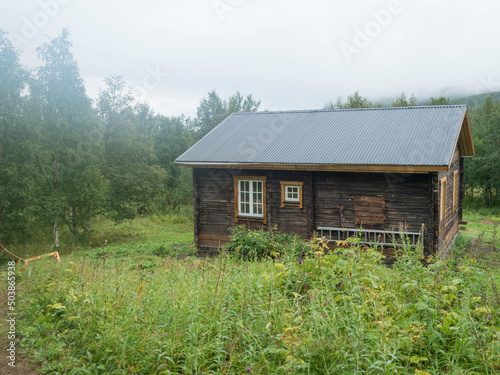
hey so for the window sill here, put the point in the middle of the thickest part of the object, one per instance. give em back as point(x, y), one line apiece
point(250, 218)
point(291, 204)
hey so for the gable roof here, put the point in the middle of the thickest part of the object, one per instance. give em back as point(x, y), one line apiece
point(413, 139)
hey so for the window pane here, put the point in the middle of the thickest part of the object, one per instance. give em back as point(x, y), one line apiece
point(292, 193)
point(257, 200)
point(257, 186)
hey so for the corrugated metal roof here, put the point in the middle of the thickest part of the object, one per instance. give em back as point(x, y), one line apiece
point(421, 135)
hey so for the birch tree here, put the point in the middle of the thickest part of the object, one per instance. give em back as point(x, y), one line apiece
point(136, 180)
point(73, 139)
point(21, 163)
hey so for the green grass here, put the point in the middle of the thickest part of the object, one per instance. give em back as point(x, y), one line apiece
point(480, 238)
point(143, 304)
point(112, 311)
point(485, 229)
point(155, 228)
point(173, 231)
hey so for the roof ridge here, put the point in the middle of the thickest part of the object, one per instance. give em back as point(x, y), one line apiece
point(351, 109)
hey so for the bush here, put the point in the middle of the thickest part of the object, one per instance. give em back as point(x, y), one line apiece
point(251, 244)
point(320, 268)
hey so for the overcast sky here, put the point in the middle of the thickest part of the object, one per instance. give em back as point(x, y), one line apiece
point(289, 54)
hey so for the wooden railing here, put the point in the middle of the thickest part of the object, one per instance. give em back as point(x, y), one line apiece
point(372, 237)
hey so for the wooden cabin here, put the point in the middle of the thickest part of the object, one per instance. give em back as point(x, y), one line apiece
point(333, 172)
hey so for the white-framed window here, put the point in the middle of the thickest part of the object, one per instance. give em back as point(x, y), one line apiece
point(292, 194)
point(251, 198)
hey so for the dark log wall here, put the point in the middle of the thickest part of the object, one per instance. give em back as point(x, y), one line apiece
point(215, 211)
point(444, 232)
point(293, 220)
point(379, 201)
point(374, 200)
point(212, 206)
point(434, 212)
point(461, 191)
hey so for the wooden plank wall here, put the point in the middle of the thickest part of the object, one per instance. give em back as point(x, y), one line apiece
point(445, 232)
point(435, 213)
point(406, 200)
point(369, 210)
point(326, 195)
point(461, 191)
point(290, 219)
point(214, 205)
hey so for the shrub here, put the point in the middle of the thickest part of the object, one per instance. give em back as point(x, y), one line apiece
point(251, 244)
point(319, 267)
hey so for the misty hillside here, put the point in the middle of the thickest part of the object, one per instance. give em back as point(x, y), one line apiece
point(474, 101)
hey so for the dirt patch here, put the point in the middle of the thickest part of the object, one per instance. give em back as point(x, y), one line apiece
point(488, 221)
point(485, 252)
point(22, 365)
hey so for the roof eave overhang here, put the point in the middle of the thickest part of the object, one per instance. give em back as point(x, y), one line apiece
point(464, 139)
point(373, 168)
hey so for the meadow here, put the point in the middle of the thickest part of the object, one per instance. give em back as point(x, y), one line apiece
point(138, 301)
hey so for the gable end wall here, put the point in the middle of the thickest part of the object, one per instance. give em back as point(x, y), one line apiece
point(446, 232)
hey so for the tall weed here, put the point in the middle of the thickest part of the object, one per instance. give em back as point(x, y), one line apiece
point(324, 311)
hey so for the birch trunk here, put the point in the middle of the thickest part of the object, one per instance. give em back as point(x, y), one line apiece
point(87, 224)
point(55, 233)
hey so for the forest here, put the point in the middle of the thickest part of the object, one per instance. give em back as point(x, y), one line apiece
point(66, 159)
